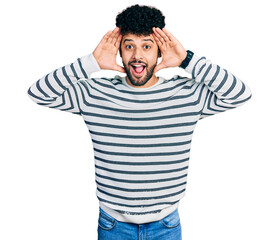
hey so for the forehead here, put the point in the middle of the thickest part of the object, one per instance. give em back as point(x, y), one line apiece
point(137, 38)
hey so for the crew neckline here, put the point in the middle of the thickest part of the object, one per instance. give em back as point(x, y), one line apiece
point(160, 80)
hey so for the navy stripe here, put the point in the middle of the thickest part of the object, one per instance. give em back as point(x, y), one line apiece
point(239, 94)
point(242, 101)
point(217, 89)
point(145, 154)
point(141, 136)
point(141, 145)
point(209, 107)
point(212, 80)
point(50, 87)
point(140, 119)
point(140, 198)
point(140, 189)
point(141, 181)
point(61, 104)
point(206, 73)
point(141, 163)
point(67, 76)
point(57, 80)
point(81, 68)
point(183, 124)
point(231, 88)
point(74, 71)
point(194, 68)
point(201, 68)
point(141, 172)
point(41, 90)
point(30, 93)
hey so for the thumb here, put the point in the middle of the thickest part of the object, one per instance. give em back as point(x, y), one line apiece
point(119, 69)
point(159, 67)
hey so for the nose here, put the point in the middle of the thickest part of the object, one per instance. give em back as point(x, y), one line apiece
point(137, 54)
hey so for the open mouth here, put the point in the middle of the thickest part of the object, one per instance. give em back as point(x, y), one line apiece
point(138, 69)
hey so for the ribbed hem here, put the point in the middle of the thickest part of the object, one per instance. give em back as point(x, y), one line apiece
point(139, 219)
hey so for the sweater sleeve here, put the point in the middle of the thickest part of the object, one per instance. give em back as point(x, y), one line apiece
point(222, 90)
point(58, 89)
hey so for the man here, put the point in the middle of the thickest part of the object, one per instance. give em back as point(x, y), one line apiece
point(141, 125)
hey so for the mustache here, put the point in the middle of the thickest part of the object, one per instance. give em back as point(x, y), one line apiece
point(137, 61)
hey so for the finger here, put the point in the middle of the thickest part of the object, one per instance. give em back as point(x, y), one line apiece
point(118, 41)
point(157, 40)
point(114, 35)
point(162, 34)
point(106, 36)
point(158, 37)
point(169, 35)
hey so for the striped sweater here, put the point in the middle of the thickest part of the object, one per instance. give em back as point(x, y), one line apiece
point(141, 136)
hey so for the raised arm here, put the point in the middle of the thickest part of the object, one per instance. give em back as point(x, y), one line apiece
point(59, 88)
point(223, 89)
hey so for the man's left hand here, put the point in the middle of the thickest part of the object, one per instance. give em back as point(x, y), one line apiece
point(173, 53)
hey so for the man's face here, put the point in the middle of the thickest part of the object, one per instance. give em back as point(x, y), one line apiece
point(139, 57)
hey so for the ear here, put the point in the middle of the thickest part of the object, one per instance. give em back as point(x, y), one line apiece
point(159, 53)
point(120, 52)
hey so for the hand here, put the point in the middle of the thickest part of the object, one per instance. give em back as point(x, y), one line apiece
point(106, 51)
point(173, 53)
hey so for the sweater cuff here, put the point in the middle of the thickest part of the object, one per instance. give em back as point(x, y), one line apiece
point(192, 63)
point(89, 64)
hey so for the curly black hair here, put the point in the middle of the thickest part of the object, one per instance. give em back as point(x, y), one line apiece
point(139, 20)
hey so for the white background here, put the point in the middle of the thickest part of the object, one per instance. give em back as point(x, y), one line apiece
point(47, 182)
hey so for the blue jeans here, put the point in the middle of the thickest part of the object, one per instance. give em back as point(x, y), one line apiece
point(168, 228)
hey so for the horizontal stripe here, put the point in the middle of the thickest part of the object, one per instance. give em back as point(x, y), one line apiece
point(141, 119)
point(145, 154)
point(152, 127)
point(141, 172)
point(141, 136)
point(140, 198)
point(151, 145)
point(141, 181)
point(142, 163)
point(138, 189)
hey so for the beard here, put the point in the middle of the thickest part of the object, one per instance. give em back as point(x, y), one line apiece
point(137, 81)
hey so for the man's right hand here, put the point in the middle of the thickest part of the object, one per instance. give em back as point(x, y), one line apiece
point(106, 51)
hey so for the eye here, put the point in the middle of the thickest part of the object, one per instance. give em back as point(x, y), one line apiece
point(147, 47)
point(129, 46)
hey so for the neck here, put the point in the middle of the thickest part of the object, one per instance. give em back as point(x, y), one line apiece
point(153, 80)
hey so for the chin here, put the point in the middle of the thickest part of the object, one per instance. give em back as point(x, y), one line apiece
point(138, 82)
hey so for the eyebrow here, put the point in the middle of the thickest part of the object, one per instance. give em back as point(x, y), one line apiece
point(127, 39)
